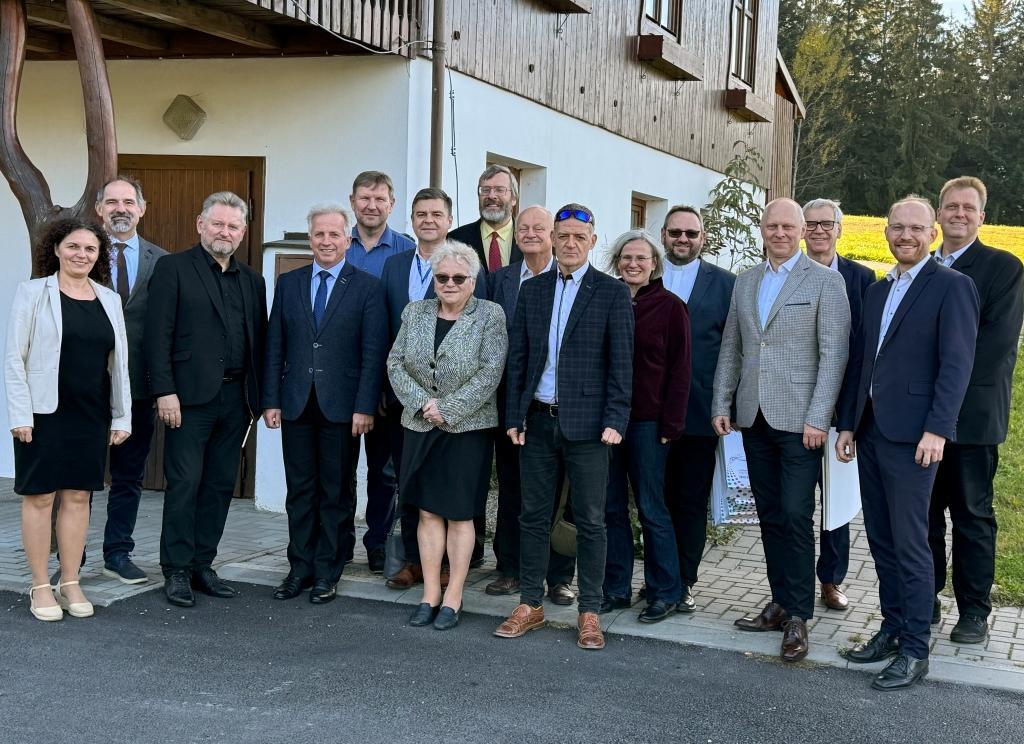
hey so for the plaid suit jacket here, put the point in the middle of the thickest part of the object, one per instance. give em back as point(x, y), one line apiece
point(792, 369)
point(595, 361)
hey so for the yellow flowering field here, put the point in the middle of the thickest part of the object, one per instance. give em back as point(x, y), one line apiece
point(864, 240)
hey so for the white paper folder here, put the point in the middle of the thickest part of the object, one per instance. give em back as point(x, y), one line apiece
point(841, 499)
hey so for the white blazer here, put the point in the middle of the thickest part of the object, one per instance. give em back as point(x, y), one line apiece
point(32, 359)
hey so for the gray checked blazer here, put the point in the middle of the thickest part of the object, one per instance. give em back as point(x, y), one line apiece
point(792, 368)
point(464, 373)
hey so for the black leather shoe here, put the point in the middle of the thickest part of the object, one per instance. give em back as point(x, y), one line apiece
point(936, 612)
point(178, 591)
point(323, 591)
point(476, 561)
point(656, 611)
point(423, 615)
point(208, 582)
point(447, 618)
point(969, 629)
point(902, 672)
point(881, 646)
point(614, 603)
point(687, 604)
point(561, 594)
point(375, 560)
point(292, 587)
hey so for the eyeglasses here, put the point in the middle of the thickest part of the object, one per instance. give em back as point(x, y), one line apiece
point(574, 214)
point(443, 279)
point(915, 230)
point(825, 225)
point(675, 233)
point(496, 190)
point(639, 259)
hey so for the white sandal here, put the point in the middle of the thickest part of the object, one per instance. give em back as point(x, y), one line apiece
point(46, 614)
point(75, 609)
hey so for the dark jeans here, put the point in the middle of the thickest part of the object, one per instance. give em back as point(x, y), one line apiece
point(201, 460)
point(541, 460)
point(963, 485)
point(127, 466)
point(320, 505)
point(689, 474)
point(783, 474)
point(380, 482)
point(833, 548)
point(640, 459)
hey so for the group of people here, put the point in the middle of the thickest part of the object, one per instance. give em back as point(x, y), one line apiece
point(502, 342)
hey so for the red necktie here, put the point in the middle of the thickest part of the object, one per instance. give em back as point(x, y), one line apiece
point(494, 254)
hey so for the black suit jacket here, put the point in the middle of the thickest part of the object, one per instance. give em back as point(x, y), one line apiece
point(470, 235)
point(186, 333)
point(920, 374)
point(858, 278)
point(343, 359)
point(135, 317)
point(999, 279)
point(595, 363)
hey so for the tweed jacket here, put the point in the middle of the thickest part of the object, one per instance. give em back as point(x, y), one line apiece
point(464, 373)
point(792, 369)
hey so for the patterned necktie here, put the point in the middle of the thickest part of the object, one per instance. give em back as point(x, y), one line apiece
point(122, 273)
point(320, 301)
point(494, 254)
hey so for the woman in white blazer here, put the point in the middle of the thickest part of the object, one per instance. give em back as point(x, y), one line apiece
point(66, 378)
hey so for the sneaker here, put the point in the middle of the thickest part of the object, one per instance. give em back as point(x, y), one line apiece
point(124, 571)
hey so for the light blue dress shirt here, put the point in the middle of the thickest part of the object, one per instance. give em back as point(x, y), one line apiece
point(949, 260)
point(131, 259)
point(314, 281)
point(420, 277)
point(565, 296)
point(771, 285)
point(899, 283)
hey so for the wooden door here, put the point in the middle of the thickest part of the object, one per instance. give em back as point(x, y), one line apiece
point(175, 187)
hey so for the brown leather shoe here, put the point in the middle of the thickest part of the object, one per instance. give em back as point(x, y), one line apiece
point(833, 598)
point(770, 618)
point(502, 585)
point(410, 575)
point(794, 640)
point(590, 635)
point(522, 620)
point(561, 594)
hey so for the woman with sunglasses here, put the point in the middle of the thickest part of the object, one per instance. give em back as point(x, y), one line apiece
point(661, 386)
point(445, 367)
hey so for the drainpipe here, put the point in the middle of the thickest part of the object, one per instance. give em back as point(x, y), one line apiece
point(437, 96)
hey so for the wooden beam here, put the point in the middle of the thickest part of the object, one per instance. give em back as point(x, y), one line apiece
point(129, 34)
point(201, 18)
point(42, 43)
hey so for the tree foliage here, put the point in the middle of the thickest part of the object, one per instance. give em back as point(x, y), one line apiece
point(732, 213)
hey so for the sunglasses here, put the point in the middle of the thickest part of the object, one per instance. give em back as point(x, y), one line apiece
point(675, 233)
point(443, 279)
point(574, 214)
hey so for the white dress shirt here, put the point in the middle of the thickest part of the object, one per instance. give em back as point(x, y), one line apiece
point(679, 280)
point(771, 285)
point(525, 273)
point(565, 295)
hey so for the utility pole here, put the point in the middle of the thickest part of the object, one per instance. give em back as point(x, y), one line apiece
point(437, 49)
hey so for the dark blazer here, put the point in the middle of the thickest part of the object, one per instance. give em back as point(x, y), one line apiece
point(709, 307)
point(343, 360)
point(595, 365)
point(858, 278)
point(135, 317)
point(185, 331)
point(920, 375)
point(999, 279)
point(470, 235)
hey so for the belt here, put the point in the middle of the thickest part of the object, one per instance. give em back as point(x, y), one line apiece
point(551, 409)
point(233, 377)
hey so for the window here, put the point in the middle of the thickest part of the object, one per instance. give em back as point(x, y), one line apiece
point(743, 42)
point(666, 13)
point(638, 214)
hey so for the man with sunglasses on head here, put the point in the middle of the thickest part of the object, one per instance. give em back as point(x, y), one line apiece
point(569, 379)
point(824, 227)
point(493, 235)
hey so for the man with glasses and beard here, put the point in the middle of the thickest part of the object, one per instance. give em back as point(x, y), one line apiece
point(493, 235)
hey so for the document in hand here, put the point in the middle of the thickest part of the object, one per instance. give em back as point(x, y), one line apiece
point(732, 501)
point(841, 498)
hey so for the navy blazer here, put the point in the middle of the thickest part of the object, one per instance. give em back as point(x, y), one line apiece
point(470, 235)
point(343, 360)
point(920, 374)
point(709, 307)
point(858, 278)
point(595, 363)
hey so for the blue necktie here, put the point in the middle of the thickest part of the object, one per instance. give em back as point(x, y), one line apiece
point(320, 301)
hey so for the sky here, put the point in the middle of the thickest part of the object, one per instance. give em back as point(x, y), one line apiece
point(955, 8)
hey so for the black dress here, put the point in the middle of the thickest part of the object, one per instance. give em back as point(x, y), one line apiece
point(443, 473)
point(69, 446)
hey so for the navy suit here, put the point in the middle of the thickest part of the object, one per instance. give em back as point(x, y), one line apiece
point(319, 376)
point(594, 387)
point(690, 468)
point(915, 383)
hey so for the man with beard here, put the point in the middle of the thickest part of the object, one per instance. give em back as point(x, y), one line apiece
point(493, 235)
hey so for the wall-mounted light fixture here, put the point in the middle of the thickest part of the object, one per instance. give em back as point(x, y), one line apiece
point(184, 117)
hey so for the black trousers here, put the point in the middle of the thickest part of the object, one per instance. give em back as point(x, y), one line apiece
point(783, 474)
point(380, 482)
point(964, 486)
point(689, 474)
point(320, 505)
point(510, 503)
point(201, 460)
point(127, 466)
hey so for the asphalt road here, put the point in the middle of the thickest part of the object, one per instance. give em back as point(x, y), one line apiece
point(255, 670)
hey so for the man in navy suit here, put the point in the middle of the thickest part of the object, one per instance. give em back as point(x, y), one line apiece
point(569, 378)
point(323, 368)
point(493, 236)
point(706, 289)
point(824, 227)
point(898, 408)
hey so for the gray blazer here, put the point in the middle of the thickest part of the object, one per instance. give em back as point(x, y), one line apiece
point(792, 368)
point(135, 317)
point(462, 376)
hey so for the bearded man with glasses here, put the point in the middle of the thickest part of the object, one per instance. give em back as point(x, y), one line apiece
point(493, 235)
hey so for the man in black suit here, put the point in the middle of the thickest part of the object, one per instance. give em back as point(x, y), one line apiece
point(322, 373)
point(706, 289)
point(569, 379)
point(900, 399)
point(824, 227)
point(493, 235)
point(533, 235)
point(205, 326)
point(964, 481)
